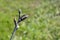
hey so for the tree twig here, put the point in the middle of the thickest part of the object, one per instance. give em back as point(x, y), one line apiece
point(17, 22)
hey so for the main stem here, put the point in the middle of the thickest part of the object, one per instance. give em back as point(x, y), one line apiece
point(13, 33)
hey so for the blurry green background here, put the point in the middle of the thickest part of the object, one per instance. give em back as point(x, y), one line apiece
point(40, 25)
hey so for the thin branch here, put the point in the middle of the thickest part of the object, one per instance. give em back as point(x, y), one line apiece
point(19, 12)
point(22, 18)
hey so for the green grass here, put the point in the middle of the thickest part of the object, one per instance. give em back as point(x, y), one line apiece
point(40, 25)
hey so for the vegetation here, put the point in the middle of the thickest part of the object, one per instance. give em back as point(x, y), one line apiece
point(42, 23)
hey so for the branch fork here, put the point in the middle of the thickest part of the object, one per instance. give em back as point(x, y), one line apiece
point(16, 23)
